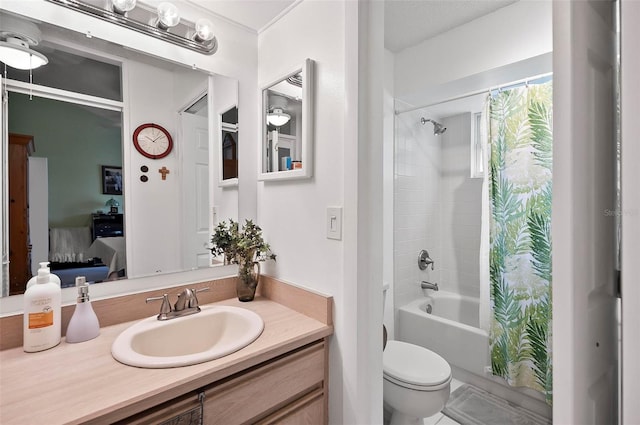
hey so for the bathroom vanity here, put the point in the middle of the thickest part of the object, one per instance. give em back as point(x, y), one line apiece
point(279, 378)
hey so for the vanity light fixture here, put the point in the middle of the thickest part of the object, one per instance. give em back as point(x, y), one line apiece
point(16, 36)
point(123, 6)
point(163, 22)
point(168, 16)
point(277, 117)
point(204, 31)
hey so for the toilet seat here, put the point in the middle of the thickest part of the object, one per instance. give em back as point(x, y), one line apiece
point(415, 367)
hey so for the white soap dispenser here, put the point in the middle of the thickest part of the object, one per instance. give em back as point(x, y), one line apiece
point(44, 266)
point(42, 314)
point(84, 324)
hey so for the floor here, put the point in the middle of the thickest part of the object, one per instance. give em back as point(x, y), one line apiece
point(439, 418)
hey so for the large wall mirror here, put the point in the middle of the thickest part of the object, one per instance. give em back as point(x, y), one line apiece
point(89, 201)
point(287, 126)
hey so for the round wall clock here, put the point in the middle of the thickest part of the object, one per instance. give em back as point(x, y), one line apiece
point(152, 141)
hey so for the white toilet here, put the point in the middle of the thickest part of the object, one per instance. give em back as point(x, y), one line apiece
point(416, 381)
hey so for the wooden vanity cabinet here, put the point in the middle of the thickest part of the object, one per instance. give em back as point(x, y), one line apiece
point(289, 389)
point(184, 410)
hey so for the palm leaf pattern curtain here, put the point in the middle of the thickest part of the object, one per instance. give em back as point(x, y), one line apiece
point(520, 137)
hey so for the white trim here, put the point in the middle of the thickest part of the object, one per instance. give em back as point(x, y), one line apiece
point(630, 214)
point(63, 95)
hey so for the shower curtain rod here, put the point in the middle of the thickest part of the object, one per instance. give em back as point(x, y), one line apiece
point(512, 84)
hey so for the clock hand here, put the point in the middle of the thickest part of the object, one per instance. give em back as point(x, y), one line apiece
point(153, 140)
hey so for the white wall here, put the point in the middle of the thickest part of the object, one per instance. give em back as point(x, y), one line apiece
point(38, 210)
point(388, 244)
point(292, 214)
point(148, 103)
point(510, 34)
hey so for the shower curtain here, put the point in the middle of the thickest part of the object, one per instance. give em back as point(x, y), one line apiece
point(520, 159)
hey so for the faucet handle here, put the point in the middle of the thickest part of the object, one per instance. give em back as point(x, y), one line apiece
point(424, 260)
point(193, 301)
point(166, 305)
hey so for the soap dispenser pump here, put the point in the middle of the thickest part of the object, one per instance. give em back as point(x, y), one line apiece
point(44, 265)
point(84, 324)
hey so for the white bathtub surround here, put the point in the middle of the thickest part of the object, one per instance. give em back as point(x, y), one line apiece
point(460, 221)
point(437, 206)
point(416, 204)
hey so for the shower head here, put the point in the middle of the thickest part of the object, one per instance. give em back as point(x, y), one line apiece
point(438, 128)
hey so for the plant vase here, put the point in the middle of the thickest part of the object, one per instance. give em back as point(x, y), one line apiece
point(248, 277)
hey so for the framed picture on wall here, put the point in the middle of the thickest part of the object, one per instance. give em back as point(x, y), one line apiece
point(111, 180)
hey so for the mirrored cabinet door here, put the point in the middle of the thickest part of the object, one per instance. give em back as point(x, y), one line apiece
point(287, 126)
point(229, 147)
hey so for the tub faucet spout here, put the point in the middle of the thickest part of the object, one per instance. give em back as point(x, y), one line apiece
point(429, 285)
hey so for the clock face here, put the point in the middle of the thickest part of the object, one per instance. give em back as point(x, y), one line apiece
point(152, 141)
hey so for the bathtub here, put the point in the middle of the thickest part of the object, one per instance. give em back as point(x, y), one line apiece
point(450, 329)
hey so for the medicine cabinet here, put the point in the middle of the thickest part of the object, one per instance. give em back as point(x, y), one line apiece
point(287, 126)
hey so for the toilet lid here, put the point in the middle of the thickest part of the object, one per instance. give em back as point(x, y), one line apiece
point(414, 364)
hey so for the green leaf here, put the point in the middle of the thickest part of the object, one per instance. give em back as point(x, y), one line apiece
point(541, 134)
point(247, 244)
point(537, 336)
point(540, 231)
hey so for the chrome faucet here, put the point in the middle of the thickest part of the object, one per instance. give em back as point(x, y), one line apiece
point(186, 304)
point(429, 285)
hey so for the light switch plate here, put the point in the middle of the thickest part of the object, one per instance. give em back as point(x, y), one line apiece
point(334, 223)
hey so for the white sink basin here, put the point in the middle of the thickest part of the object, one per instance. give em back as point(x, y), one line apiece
point(214, 332)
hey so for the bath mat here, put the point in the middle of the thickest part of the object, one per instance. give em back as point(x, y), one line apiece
point(470, 405)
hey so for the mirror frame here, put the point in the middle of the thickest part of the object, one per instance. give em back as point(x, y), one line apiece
point(308, 82)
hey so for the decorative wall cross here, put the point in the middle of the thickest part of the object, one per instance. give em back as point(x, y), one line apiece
point(164, 171)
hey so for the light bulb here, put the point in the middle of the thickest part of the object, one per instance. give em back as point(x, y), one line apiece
point(168, 15)
point(123, 6)
point(204, 30)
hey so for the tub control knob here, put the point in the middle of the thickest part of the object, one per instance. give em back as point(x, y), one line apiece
point(424, 260)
